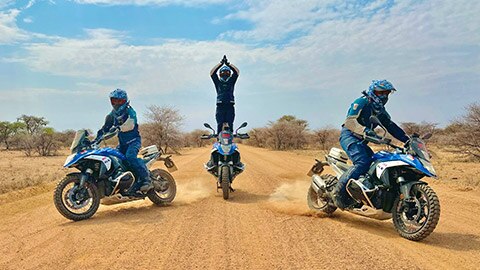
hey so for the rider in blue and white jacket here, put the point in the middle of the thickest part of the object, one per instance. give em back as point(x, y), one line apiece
point(124, 118)
point(356, 126)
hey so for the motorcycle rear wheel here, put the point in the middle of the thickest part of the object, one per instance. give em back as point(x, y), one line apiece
point(68, 208)
point(225, 182)
point(418, 221)
point(166, 196)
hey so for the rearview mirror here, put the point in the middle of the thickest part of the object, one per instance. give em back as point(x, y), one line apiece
point(209, 127)
point(244, 124)
point(427, 136)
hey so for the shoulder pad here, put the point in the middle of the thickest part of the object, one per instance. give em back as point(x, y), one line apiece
point(357, 106)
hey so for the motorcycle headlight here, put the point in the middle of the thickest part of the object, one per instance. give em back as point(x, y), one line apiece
point(226, 148)
point(429, 167)
point(69, 159)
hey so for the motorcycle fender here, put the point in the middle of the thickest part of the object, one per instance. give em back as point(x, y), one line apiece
point(317, 168)
point(406, 187)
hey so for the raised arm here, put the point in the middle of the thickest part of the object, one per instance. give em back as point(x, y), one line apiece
point(215, 69)
point(235, 70)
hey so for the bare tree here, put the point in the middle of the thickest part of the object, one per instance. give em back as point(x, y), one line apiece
point(163, 128)
point(466, 132)
point(258, 137)
point(192, 139)
point(326, 137)
point(419, 128)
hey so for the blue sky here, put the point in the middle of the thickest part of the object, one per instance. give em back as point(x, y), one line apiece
point(60, 59)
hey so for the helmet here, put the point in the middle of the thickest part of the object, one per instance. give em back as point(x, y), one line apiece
point(119, 100)
point(378, 92)
point(225, 73)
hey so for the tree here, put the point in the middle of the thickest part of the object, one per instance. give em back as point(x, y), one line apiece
point(288, 132)
point(163, 128)
point(10, 130)
point(33, 124)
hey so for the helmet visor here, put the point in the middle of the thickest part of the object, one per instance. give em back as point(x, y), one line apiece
point(380, 93)
point(225, 73)
point(117, 101)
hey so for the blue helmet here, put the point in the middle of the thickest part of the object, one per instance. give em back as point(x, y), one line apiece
point(378, 92)
point(225, 73)
point(119, 100)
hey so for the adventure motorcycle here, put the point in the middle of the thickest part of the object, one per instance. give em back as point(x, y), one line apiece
point(392, 188)
point(226, 158)
point(105, 178)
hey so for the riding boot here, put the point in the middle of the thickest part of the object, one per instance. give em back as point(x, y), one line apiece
point(146, 184)
point(340, 197)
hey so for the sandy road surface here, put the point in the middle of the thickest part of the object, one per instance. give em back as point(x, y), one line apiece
point(265, 225)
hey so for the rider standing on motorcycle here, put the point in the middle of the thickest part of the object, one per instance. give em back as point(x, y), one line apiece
point(224, 85)
point(124, 119)
point(356, 126)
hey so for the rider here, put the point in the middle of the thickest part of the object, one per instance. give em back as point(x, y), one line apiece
point(124, 119)
point(356, 126)
point(225, 113)
point(224, 85)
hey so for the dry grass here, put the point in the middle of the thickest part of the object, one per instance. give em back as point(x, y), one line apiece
point(18, 171)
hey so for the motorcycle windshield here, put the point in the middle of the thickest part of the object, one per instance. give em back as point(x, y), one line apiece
point(225, 138)
point(418, 146)
point(80, 136)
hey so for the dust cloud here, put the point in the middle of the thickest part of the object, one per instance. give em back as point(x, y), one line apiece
point(290, 199)
point(193, 191)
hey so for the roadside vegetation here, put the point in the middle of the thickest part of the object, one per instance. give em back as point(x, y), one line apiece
point(32, 153)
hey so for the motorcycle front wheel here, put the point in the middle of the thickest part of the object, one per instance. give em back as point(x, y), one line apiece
point(416, 218)
point(74, 202)
point(225, 182)
point(165, 188)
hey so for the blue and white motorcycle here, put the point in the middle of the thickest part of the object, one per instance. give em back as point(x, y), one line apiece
point(225, 162)
point(103, 177)
point(392, 188)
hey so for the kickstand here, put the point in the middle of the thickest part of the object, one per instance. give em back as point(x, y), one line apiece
point(232, 190)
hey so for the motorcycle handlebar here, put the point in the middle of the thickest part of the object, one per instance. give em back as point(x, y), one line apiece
point(385, 141)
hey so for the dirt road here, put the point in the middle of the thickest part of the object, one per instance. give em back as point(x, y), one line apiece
point(265, 225)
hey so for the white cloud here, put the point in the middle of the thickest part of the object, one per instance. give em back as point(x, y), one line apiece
point(330, 47)
point(28, 20)
point(151, 2)
point(9, 32)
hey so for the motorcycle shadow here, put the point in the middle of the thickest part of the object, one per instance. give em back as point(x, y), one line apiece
point(244, 197)
point(133, 214)
point(373, 226)
point(454, 241)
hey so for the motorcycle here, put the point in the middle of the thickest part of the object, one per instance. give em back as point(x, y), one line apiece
point(226, 157)
point(104, 178)
point(392, 188)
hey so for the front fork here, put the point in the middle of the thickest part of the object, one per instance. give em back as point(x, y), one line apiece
point(85, 177)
